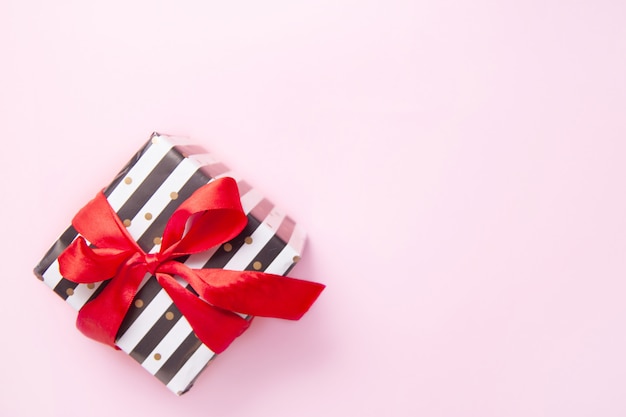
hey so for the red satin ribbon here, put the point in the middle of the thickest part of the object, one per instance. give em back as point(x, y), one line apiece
point(211, 216)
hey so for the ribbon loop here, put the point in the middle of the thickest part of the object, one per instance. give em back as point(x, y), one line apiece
point(211, 216)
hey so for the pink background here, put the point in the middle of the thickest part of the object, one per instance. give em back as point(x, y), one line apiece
point(459, 166)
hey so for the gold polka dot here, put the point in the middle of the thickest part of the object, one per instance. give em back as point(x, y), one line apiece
point(157, 240)
point(296, 259)
point(148, 216)
point(127, 222)
point(248, 240)
point(91, 285)
point(69, 291)
point(139, 303)
point(169, 315)
point(155, 139)
point(228, 247)
point(257, 265)
point(157, 356)
point(173, 195)
point(128, 180)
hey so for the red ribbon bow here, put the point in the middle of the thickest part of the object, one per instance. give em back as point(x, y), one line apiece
point(211, 216)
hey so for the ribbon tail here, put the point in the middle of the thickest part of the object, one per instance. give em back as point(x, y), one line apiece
point(257, 293)
point(216, 328)
point(101, 318)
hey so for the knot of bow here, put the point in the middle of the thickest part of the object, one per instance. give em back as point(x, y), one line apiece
point(211, 216)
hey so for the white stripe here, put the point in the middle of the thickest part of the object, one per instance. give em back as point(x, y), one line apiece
point(161, 198)
point(190, 369)
point(167, 346)
point(205, 159)
point(198, 260)
point(250, 199)
point(52, 276)
point(150, 314)
point(138, 173)
point(283, 261)
point(247, 252)
point(81, 295)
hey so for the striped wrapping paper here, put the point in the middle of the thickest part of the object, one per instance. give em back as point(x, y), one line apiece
point(163, 174)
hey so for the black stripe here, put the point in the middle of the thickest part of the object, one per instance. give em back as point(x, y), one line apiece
point(188, 387)
point(190, 149)
point(154, 336)
point(220, 258)
point(178, 358)
point(146, 240)
point(98, 290)
point(146, 294)
point(59, 246)
point(289, 269)
point(63, 286)
point(269, 252)
point(148, 187)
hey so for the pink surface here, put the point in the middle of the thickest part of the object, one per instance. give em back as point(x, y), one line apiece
point(459, 167)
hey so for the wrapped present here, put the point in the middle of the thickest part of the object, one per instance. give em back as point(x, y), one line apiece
point(170, 262)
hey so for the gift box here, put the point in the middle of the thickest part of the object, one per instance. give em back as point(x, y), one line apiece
point(145, 195)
